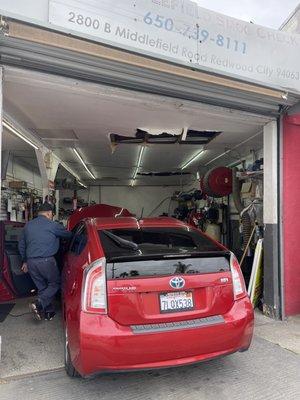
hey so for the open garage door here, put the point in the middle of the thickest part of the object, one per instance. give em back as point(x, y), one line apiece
point(38, 49)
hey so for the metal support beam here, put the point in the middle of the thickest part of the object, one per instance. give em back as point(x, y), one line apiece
point(4, 163)
point(42, 167)
point(48, 165)
point(272, 303)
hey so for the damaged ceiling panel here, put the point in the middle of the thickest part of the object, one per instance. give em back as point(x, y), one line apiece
point(189, 136)
point(176, 173)
point(199, 137)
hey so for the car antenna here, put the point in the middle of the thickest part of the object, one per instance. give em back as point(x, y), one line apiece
point(142, 213)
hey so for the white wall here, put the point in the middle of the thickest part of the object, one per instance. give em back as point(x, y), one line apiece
point(16, 170)
point(139, 197)
point(133, 198)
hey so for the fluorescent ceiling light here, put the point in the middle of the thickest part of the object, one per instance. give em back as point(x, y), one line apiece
point(235, 163)
point(196, 156)
point(16, 132)
point(20, 135)
point(139, 162)
point(140, 156)
point(219, 156)
point(70, 170)
point(82, 184)
point(84, 164)
point(66, 167)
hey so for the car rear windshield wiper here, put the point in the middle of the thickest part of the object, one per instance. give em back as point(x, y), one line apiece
point(125, 244)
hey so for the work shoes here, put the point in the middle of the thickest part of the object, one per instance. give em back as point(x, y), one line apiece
point(37, 310)
point(49, 316)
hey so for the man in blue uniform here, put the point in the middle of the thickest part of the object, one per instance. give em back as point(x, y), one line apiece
point(38, 244)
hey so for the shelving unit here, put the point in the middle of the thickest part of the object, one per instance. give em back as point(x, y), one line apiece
point(250, 174)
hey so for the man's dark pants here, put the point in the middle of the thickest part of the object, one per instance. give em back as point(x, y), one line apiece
point(45, 274)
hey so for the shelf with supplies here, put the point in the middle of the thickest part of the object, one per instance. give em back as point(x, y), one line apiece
point(250, 174)
point(19, 202)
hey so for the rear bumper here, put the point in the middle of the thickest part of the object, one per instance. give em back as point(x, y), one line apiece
point(107, 346)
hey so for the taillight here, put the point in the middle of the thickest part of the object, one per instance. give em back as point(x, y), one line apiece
point(239, 287)
point(94, 294)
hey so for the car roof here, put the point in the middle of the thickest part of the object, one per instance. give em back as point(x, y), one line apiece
point(131, 222)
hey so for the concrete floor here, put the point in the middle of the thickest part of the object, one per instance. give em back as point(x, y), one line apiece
point(265, 372)
point(284, 333)
point(30, 346)
point(32, 360)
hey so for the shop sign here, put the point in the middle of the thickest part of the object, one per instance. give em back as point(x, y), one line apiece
point(184, 33)
point(175, 30)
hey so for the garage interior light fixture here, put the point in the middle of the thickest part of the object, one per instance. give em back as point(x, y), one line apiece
point(84, 164)
point(196, 156)
point(17, 133)
point(82, 184)
point(67, 168)
point(142, 149)
point(235, 163)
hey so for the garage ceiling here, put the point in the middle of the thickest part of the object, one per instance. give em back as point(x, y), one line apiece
point(66, 113)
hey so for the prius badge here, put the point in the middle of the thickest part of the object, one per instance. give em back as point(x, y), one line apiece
point(177, 282)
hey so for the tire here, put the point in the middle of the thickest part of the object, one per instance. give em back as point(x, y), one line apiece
point(69, 367)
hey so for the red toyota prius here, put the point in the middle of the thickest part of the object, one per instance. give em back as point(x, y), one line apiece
point(151, 293)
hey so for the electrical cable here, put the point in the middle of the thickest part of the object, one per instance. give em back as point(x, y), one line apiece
point(247, 208)
point(169, 208)
point(161, 203)
point(16, 315)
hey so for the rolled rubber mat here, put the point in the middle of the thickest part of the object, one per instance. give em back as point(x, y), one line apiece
point(5, 309)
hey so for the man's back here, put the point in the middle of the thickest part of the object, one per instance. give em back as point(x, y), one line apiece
point(41, 238)
point(38, 245)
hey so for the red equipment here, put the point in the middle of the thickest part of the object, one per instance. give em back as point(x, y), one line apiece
point(217, 182)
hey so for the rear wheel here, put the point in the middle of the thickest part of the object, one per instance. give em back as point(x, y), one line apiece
point(69, 367)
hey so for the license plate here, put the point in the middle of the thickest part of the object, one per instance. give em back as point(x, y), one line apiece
point(176, 301)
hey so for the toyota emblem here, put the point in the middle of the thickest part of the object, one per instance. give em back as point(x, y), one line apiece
point(177, 282)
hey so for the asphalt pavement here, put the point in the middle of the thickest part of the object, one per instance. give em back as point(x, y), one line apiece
point(267, 371)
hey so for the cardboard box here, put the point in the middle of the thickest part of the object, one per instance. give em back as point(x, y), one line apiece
point(18, 185)
point(246, 191)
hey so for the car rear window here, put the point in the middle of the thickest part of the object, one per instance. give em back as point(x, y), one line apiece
point(148, 268)
point(156, 241)
point(160, 251)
